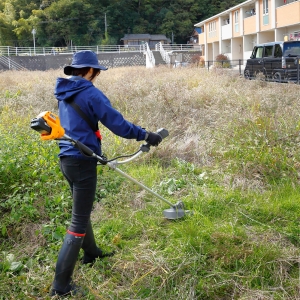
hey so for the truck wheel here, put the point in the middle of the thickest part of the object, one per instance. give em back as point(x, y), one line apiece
point(277, 77)
point(247, 74)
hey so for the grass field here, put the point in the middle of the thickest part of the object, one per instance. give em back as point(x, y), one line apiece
point(232, 156)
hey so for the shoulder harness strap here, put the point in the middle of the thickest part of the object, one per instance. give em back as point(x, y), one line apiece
point(95, 128)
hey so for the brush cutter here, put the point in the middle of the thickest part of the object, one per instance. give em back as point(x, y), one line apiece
point(48, 125)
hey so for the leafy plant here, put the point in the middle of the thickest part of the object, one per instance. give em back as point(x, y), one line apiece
point(222, 61)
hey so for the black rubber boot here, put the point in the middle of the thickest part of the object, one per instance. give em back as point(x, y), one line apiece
point(62, 284)
point(91, 251)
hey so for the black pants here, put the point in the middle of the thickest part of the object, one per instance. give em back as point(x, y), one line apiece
point(81, 175)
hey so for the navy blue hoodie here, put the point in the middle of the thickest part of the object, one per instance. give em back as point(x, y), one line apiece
point(97, 107)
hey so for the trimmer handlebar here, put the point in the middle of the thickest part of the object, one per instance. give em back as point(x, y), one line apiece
point(162, 132)
point(86, 150)
point(144, 148)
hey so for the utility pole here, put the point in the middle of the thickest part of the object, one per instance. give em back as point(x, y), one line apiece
point(105, 23)
point(33, 33)
point(172, 37)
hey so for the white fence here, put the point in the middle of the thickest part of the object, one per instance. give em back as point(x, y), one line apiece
point(33, 51)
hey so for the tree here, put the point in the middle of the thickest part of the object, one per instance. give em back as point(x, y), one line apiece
point(122, 18)
point(81, 22)
point(7, 16)
point(178, 20)
point(23, 29)
point(70, 21)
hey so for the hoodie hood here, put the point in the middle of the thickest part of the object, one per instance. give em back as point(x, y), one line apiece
point(67, 88)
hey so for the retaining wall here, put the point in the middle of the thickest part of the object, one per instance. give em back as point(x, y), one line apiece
point(47, 62)
point(109, 60)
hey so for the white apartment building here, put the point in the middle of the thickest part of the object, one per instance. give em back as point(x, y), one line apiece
point(235, 31)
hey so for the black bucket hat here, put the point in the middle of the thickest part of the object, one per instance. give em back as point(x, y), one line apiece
point(82, 59)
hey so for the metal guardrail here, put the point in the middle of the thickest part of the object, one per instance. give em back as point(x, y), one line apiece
point(12, 65)
point(33, 51)
point(150, 56)
point(237, 65)
point(271, 74)
point(164, 54)
point(224, 64)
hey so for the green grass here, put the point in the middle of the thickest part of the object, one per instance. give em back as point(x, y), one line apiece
point(232, 157)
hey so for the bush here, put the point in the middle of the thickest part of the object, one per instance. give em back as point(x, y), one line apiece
point(198, 60)
point(222, 61)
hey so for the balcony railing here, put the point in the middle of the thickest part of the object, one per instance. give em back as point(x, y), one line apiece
point(179, 47)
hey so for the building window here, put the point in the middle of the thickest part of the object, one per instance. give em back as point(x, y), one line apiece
point(212, 29)
point(236, 17)
point(265, 7)
point(236, 21)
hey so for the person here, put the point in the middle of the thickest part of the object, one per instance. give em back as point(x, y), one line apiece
point(80, 170)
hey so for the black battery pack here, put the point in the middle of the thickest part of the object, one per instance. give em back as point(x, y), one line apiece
point(40, 125)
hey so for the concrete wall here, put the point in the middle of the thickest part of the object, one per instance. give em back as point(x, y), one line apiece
point(109, 60)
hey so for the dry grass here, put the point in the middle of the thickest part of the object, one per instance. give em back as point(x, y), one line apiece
point(200, 109)
point(225, 127)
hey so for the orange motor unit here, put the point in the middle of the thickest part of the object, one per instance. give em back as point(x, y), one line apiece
point(48, 124)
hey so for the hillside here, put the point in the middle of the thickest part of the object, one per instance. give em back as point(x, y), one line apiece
point(61, 23)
